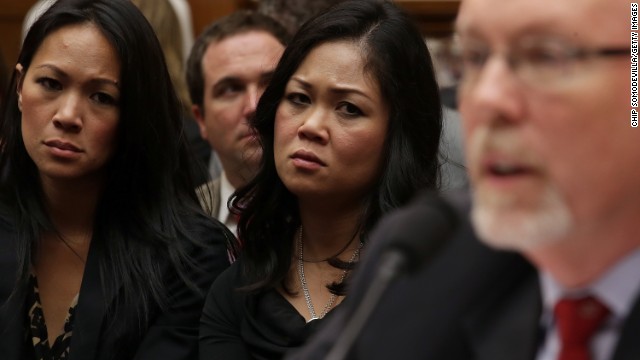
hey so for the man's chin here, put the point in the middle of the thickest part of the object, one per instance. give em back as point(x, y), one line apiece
point(251, 153)
point(504, 225)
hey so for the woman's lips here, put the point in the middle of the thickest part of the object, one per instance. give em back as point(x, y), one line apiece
point(63, 150)
point(307, 160)
point(62, 145)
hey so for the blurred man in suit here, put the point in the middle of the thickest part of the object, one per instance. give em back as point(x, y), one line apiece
point(229, 67)
point(555, 201)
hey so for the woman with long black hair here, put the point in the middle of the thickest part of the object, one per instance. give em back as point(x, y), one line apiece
point(105, 252)
point(350, 126)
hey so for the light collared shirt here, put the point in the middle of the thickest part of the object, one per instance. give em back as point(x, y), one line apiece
point(617, 289)
point(226, 190)
point(215, 167)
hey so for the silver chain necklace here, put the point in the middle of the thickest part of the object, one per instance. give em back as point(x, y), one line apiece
point(303, 281)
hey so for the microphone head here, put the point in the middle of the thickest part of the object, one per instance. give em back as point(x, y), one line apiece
point(421, 229)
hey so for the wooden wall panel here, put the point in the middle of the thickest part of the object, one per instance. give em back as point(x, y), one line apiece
point(435, 17)
point(206, 11)
point(11, 15)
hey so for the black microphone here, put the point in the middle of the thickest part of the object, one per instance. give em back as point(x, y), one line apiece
point(420, 231)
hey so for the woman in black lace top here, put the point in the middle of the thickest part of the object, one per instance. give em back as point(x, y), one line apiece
point(105, 252)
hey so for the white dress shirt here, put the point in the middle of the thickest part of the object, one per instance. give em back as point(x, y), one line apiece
point(226, 190)
point(617, 289)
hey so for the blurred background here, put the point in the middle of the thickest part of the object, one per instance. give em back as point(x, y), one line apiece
point(435, 18)
point(188, 18)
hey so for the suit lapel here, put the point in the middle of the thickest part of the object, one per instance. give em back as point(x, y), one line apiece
point(13, 315)
point(507, 327)
point(628, 347)
point(209, 196)
point(216, 189)
point(90, 310)
point(14, 328)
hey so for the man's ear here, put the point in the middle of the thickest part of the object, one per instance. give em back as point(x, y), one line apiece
point(20, 80)
point(198, 115)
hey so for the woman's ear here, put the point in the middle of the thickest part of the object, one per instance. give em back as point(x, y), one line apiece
point(20, 78)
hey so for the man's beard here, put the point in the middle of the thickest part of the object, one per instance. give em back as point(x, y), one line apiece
point(509, 220)
point(499, 222)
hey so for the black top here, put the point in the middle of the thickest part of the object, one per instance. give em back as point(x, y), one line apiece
point(170, 333)
point(238, 325)
point(60, 348)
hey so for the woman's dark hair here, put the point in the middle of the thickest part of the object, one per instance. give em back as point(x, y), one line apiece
point(149, 190)
point(396, 56)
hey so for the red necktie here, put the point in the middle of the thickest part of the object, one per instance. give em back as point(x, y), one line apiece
point(577, 322)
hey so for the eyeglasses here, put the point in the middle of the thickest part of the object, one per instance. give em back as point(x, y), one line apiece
point(538, 63)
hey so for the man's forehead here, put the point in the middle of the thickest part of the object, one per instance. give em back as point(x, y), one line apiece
point(247, 36)
point(242, 54)
point(516, 18)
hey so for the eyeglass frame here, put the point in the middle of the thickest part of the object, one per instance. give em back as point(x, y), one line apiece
point(516, 60)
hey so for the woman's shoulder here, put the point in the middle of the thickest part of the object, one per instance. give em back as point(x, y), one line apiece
point(204, 231)
point(6, 217)
point(231, 281)
point(234, 289)
point(226, 298)
point(7, 229)
point(199, 224)
point(207, 243)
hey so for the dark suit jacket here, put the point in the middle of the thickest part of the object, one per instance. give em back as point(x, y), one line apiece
point(170, 334)
point(469, 302)
point(199, 148)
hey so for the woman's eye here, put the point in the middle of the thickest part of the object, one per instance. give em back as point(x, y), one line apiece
point(298, 99)
point(49, 84)
point(350, 110)
point(105, 99)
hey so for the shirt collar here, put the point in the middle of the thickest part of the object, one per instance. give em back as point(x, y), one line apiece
point(617, 288)
point(226, 190)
